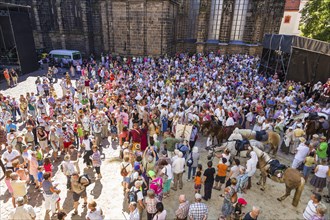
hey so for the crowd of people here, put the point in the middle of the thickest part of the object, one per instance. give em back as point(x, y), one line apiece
point(138, 103)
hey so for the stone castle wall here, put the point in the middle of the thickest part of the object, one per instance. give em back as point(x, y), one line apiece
point(143, 27)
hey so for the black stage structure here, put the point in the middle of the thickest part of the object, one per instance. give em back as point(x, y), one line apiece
point(295, 58)
point(17, 48)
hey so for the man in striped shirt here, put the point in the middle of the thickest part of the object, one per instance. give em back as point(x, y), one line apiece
point(310, 210)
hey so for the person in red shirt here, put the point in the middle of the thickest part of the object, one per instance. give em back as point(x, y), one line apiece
point(7, 76)
point(135, 135)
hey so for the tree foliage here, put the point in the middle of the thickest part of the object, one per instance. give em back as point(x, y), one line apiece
point(315, 20)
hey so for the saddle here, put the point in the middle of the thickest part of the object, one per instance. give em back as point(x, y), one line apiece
point(261, 135)
point(276, 168)
point(242, 145)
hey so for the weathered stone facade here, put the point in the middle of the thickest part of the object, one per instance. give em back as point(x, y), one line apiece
point(147, 27)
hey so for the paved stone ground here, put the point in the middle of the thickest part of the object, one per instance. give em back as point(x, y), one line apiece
point(108, 192)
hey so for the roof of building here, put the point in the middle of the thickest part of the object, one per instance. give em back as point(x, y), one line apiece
point(292, 5)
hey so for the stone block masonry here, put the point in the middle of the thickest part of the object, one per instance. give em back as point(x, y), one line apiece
point(145, 27)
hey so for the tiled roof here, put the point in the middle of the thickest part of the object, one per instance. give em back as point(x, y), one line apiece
point(292, 4)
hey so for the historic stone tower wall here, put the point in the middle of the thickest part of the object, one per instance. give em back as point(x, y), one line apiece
point(153, 27)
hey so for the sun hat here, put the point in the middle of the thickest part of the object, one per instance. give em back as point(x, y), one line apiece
point(151, 173)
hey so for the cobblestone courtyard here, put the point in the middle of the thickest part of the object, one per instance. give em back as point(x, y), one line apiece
point(108, 193)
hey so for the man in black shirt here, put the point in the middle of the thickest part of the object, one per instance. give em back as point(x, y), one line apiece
point(253, 215)
point(208, 181)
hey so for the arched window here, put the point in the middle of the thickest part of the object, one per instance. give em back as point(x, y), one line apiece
point(192, 19)
point(215, 19)
point(239, 20)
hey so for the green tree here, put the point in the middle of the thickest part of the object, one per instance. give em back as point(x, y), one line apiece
point(315, 20)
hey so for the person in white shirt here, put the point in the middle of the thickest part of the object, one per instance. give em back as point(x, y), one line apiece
point(310, 210)
point(230, 120)
point(134, 212)
point(9, 156)
point(178, 168)
point(260, 120)
point(301, 153)
point(251, 167)
point(94, 212)
point(22, 211)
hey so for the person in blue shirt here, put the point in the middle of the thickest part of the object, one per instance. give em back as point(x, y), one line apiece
point(10, 125)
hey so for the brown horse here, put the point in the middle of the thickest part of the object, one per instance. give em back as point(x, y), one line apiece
point(315, 127)
point(291, 177)
point(213, 129)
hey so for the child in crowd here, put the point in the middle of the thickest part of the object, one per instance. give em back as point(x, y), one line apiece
point(96, 160)
point(39, 155)
point(40, 175)
point(221, 175)
point(198, 182)
point(80, 132)
point(200, 168)
point(48, 167)
point(321, 210)
point(7, 180)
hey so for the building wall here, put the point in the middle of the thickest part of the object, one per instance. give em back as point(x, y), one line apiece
point(292, 28)
point(149, 27)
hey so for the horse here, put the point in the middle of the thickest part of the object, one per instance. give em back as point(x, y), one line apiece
point(291, 177)
point(231, 145)
point(315, 127)
point(273, 138)
point(215, 130)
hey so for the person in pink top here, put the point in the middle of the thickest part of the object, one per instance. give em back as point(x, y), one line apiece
point(7, 180)
point(156, 185)
point(33, 168)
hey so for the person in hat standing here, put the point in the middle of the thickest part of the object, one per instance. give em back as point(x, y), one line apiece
point(314, 142)
point(68, 169)
point(42, 139)
point(29, 136)
point(297, 133)
point(22, 211)
point(78, 186)
point(301, 153)
point(321, 150)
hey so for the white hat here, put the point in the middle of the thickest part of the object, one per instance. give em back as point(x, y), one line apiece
point(195, 150)
point(198, 196)
point(315, 136)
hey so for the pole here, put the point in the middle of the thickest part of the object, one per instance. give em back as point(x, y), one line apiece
point(287, 69)
point(3, 38)
point(12, 31)
point(270, 49)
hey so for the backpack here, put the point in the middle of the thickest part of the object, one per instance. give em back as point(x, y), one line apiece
point(183, 148)
point(123, 171)
point(88, 180)
point(190, 161)
point(132, 196)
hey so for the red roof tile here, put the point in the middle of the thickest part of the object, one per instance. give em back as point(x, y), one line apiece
point(292, 4)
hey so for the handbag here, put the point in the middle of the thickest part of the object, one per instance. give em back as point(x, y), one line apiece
point(190, 161)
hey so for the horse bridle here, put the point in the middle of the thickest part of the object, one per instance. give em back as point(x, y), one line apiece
point(263, 154)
